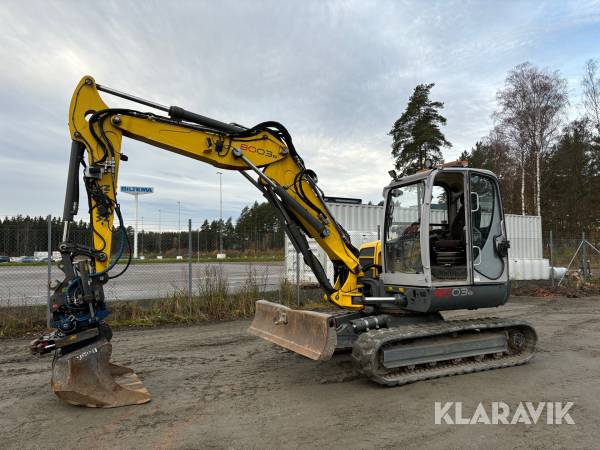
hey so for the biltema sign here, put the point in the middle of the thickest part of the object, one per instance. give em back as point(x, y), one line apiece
point(551, 413)
point(137, 190)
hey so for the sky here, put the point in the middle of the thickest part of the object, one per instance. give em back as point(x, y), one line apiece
point(337, 74)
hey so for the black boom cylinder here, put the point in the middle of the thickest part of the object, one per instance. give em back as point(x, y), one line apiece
point(178, 113)
point(72, 194)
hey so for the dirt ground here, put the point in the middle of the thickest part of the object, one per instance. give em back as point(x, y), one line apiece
point(215, 386)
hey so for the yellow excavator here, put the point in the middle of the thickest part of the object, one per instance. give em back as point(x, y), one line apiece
point(444, 247)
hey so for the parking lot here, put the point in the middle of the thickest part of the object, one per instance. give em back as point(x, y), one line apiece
point(26, 285)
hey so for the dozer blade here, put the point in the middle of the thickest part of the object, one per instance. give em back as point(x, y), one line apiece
point(86, 377)
point(309, 333)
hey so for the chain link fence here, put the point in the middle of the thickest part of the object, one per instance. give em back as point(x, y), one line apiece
point(576, 257)
point(181, 260)
point(174, 257)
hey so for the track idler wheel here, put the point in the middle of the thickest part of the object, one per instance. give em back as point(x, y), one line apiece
point(86, 377)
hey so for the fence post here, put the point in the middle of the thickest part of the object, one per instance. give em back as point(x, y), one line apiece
point(298, 278)
point(551, 259)
point(584, 256)
point(190, 262)
point(48, 316)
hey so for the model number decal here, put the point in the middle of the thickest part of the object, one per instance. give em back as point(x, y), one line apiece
point(461, 292)
point(452, 292)
point(258, 151)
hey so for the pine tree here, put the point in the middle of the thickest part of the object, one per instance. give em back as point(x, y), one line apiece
point(569, 194)
point(416, 134)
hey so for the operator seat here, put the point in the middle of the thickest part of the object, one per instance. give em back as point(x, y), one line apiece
point(451, 251)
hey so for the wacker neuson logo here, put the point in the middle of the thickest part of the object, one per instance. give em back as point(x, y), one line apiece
point(499, 413)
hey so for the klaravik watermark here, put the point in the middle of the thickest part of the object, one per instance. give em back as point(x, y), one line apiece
point(500, 413)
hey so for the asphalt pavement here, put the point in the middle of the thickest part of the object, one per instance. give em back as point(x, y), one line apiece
point(28, 284)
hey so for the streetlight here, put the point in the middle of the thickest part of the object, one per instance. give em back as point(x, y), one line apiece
point(179, 229)
point(221, 254)
point(159, 237)
point(142, 252)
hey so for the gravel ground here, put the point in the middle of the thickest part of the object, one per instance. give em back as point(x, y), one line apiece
point(215, 386)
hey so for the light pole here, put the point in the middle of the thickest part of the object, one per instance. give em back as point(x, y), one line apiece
point(179, 229)
point(159, 236)
point(142, 252)
point(220, 214)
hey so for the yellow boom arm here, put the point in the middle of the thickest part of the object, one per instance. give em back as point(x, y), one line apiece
point(265, 151)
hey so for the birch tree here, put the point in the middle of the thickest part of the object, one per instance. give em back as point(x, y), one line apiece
point(532, 106)
point(591, 92)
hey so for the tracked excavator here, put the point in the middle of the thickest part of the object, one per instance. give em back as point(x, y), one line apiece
point(443, 247)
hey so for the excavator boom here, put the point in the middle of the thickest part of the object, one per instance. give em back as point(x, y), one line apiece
point(264, 154)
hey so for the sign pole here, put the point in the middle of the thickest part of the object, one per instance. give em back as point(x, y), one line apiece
point(135, 233)
point(136, 191)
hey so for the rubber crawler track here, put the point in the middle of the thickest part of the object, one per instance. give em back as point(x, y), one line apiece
point(366, 350)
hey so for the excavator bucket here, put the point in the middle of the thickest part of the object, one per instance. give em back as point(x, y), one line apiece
point(309, 333)
point(86, 377)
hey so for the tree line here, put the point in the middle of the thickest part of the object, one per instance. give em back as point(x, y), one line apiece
point(257, 230)
point(547, 164)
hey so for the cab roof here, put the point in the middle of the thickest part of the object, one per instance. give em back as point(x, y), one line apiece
point(424, 174)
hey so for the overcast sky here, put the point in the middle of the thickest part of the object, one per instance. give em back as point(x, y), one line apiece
point(337, 74)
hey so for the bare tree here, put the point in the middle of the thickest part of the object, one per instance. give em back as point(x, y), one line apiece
point(591, 92)
point(499, 157)
point(532, 106)
point(514, 137)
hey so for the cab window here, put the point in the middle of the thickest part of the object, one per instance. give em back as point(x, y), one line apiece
point(403, 226)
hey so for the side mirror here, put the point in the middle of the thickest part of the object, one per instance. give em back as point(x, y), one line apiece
point(474, 202)
point(502, 246)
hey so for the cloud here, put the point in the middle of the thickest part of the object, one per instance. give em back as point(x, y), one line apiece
point(336, 73)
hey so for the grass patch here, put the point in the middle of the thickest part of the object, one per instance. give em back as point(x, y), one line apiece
point(19, 320)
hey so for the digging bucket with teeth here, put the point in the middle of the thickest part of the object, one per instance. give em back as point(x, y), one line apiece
point(86, 377)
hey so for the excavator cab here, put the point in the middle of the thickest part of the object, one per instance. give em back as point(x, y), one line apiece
point(444, 234)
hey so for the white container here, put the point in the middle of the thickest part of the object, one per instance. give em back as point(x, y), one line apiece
point(357, 217)
point(529, 269)
point(363, 223)
point(525, 235)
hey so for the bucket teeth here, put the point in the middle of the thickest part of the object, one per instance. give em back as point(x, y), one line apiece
point(86, 377)
point(309, 333)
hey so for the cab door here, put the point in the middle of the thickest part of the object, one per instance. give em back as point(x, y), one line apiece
point(488, 236)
